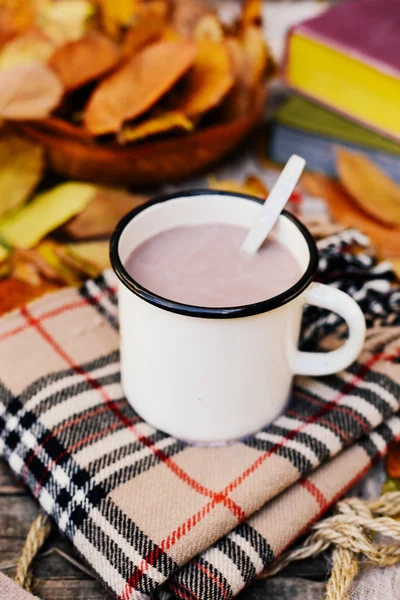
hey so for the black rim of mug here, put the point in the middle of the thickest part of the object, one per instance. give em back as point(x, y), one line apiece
point(210, 312)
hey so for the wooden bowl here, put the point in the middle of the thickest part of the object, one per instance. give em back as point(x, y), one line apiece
point(147, 163)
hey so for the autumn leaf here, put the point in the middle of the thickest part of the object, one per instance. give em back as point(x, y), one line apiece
point(84, 60)
point(137, 85)
point(65, 20)
point(209, 80)
point(148, 24)
point(28, 91)
point(161, 123)
point(209, 28)
point(252, 186)
point(256, 52)
point(47, 249)
point(102, 213)
point(252, 13)
point(116, 14)
point(47, 211)
point(94, 256)
point(29, 47)
point(21, 168)
point(187, 13)
point(4, 253)
point(370, 188)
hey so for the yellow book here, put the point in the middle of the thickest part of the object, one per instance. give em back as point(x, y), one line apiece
point(348, 58)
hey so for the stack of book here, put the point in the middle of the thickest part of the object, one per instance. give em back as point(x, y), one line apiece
point(345, 66)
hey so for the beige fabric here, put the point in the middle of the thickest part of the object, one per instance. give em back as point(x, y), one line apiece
point(11, 591)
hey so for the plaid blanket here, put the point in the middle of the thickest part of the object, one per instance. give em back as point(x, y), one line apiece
point(144, 509)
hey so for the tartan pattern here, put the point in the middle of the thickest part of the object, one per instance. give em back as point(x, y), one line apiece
point(138, 504)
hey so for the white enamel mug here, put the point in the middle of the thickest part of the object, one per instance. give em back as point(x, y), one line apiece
point(212, 375)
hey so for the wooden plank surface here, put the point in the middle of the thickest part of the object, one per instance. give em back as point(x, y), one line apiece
point(58, 579)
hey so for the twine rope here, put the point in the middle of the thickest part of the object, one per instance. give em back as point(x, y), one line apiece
point(351, 533)
point(35, 539)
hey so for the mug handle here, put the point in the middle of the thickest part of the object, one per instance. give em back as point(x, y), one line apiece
point(326, 363)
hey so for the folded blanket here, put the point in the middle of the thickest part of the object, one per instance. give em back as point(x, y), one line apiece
point(138, 504)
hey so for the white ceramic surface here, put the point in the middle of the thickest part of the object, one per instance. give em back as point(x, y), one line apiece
point(218, 378)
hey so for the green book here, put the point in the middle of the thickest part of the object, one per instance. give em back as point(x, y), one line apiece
point(299, 113)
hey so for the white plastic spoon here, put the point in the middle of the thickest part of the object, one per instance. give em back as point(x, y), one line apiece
point(274, 204)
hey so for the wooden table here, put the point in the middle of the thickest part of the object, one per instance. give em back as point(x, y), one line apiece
point(58, 579)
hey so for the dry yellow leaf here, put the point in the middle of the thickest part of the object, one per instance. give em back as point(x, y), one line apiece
point(256, 52)
point(21, 168)
point(47, 211)
point(209, 80)
point(65, 20)
point(208, 28)
point(84, 60)
point(137, 85)
point(4, 253)
point(96, 254)
point(148, 24)
point(28, 91)
point(252, 186)
point(162, 123)
point(30, 46)
point(372, 190)
point(48, 250)
point(116, 14)
point(103, 212)
point(79, 264)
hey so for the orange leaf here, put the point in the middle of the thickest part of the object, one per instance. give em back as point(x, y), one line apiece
point(137, 85)
point(84, 60)
point(372, 190)
point(28, 91)
point(209, 80)
point(149, 24)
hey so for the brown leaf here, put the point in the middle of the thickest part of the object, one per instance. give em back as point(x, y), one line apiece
point(87, 59)
point(149, 23)
point(209, 80)
point(372, 190)
point(344, 211)
point(14, 293)
point(21, 168)
point(137, 85)
point(28, 91)
point(103, 213)
point(161, 123)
